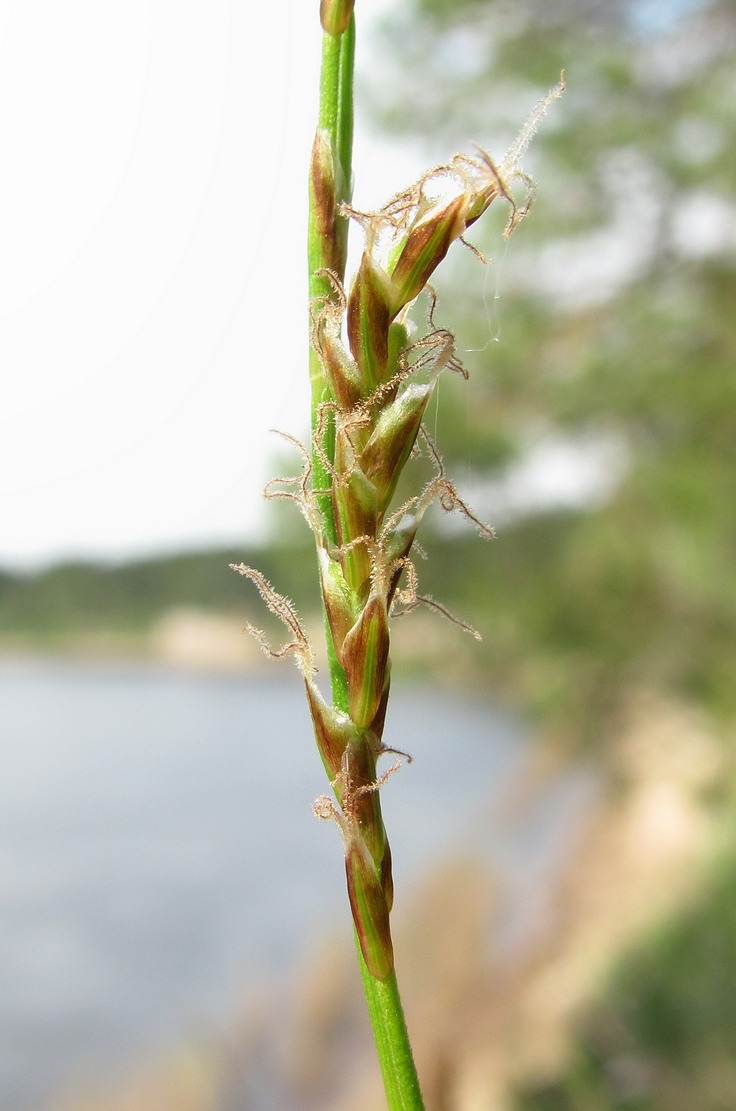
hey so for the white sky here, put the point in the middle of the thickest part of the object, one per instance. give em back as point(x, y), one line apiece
point(152, 269)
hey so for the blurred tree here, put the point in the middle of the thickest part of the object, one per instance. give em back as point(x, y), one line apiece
point(599, 432)
point(49, 606)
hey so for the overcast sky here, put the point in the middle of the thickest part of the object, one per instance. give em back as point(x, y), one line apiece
point(152, 270)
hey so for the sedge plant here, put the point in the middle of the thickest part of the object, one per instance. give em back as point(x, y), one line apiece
point(372, 375)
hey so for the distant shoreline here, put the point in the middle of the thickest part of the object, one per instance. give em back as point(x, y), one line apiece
point(208, 641)
point(187, 638)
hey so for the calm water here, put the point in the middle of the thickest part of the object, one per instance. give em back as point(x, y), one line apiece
point(158, 853)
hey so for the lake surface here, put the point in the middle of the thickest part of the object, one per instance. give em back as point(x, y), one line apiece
point(158, 852)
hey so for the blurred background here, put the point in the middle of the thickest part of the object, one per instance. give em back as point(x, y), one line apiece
point(173, 928)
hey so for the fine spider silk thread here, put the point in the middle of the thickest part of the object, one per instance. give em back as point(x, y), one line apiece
point(492, 307)
point(436, 407)
point(492, 312)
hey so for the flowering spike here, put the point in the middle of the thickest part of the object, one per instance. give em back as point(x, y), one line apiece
point(371, 387)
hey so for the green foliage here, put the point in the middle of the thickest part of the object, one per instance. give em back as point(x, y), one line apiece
point(664, 1036)
point(616, 329)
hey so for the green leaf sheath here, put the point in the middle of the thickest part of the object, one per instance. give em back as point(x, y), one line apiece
point(345, 117)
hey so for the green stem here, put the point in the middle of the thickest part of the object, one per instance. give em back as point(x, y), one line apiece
point(399, 1073)
point(345, 117)
point(336, 118)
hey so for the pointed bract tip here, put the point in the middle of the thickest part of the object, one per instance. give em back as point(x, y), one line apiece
point(335, 15)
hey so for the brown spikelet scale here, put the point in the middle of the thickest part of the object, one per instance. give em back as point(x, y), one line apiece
point(368, 320)
point(323, 183)
point(335, 15)
point(426, 245)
